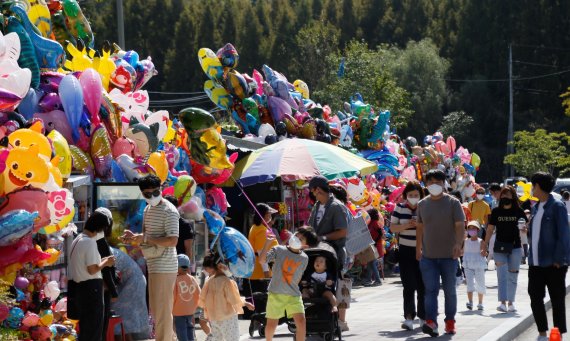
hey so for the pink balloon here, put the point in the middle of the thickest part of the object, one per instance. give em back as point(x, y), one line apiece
point(29, 199)
point(4, 312)
point(395, 195)
point(124, 145)
point(92, 93)
point(451, 145)
point(259, 80)
point(30, 319)
point(57, 120)
point(168, 191)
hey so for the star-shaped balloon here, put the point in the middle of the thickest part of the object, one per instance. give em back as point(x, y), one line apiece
point(523, 191)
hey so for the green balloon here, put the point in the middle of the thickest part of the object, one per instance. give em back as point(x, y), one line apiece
point(196, 119)
point(251, 107)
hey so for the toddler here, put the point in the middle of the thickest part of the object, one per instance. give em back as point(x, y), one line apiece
point(321, 281)
point(474, 263)
point(186, 296)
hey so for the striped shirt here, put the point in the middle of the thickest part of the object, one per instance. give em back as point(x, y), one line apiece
point(402, 215)
point(162, 221)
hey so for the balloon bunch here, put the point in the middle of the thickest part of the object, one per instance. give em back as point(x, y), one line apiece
point(265, 106)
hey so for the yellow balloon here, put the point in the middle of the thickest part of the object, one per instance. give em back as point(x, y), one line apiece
point(475, 160)
point(9, 277)
point(105, 66)
point(46, 320)
point(39, 15)
point(302, 88)
point(170, 133)
point(157, 161)
point(80, 60)
point(62, 152)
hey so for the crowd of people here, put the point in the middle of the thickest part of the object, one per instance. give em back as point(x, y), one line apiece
point(440, 239)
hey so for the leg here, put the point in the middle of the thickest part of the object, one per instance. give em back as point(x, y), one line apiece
point(407, 275)
point(447, 269)
point(501, 265)
point(514, 264)
point(332, 300)
point(557, 291)
point(420, 288)
point(480, 284)
point(270, 327)
point(217, 331)
point(430, 275)
point(107, 310)
point(491, 246)
point(301, 325)
point(161, 297)
point(91, 315)
point(205, 326)
point(181, 329)
point(230, 329)
point(190, 328)
point(470, 279)
point(375, 271)
point(536, 291)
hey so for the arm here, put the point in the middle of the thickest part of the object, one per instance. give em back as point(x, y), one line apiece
point(188, 247)
point(336, 234)
point(489, 234)
point(340, 225)
point(105, 262)
point(419, 240)
point(562, 237)
point(263, 254)
point(171, 229)
point(459, 238)
point(163, 241)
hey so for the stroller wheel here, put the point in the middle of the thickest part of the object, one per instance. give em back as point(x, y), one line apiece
point(251, 328)
point(261, 330)
point(292, 328)
point(328, 336)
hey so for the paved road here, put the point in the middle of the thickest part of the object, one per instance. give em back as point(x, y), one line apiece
point(531, 333)
point(377, 313)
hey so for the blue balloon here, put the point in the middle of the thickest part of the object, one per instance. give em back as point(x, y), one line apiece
point(85, 122)
point(15, 317)
point(29, 105)
point(183, 162)
point(14, 225)
point(200, 194)
point(214, 221)
point(117, 173)
point(237, 252)
point(71, 96)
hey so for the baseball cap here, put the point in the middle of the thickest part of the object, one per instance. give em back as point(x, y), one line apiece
point(183, 261)
point(474, 223)
point(318, 181)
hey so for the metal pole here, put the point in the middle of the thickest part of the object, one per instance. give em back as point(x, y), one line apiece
point(120, 23)
point(510, 147)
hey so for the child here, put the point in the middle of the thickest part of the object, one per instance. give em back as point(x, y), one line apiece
point(186, 296)
point(320, 283)
point(474, 263)
point(284, 294)
point(221, 301)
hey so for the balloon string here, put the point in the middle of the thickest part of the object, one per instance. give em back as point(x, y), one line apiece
point(249, 200)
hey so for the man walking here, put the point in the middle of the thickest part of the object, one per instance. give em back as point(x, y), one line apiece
point(158, 244)
point(439, 236)
point(549, 255)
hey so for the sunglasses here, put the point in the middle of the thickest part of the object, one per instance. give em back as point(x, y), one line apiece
point(149, 195)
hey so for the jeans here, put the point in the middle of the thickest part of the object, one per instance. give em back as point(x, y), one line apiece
point(554, 279)
point(184, 327)
point(412, 282)
point(372, 270)
point(507, 273)
point(432, 270)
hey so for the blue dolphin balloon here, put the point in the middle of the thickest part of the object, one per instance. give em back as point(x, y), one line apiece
point(14, 225)
point(237, 251)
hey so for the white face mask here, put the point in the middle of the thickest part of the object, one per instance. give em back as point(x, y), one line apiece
point(295, 242)
point(413, 201)
point(100, 235)
point(154, 200)
point(435, 189)
point(480, 196)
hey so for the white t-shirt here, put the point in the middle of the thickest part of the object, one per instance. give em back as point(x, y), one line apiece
point(536, 226)
point(320, 214)
point(83, 254)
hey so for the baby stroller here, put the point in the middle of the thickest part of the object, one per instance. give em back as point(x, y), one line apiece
point(320, 319)
point(258, 319)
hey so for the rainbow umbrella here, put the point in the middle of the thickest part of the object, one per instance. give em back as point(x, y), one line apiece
point(301, 159)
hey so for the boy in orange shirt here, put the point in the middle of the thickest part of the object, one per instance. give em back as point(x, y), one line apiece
point(186, 296)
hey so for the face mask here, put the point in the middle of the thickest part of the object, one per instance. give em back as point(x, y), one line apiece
point(435, 189)
point(413, 201)
point(480, 196)
point(472, 233)
point(505, 201)
point(100, 235)
point(154, 200)
point(295, 242)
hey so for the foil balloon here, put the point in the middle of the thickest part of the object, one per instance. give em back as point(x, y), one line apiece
point(214, 221)
point(4, 312)
point(14, 225)
point(228, 56)
point(236, 85)
point(124, 145)
point(146, 72)
point(134, 104)
point(117, 174)
point(192, 209)
point(157, 161)
point(71, 96)
point(81, 161)
point(237, 252)
point(210, 64)
point(56, 120)
point(52, 290)
point(32, 137)
point(29, 104)
point(25, 167)
point(62, 153)
point(123, 77)
point(39, 15)
point(59, 29)
point(23, 48)
point(132, 170)
point(30, 319)
point(16, 82)
point(76, 22)
point(50, 81)
point(60, 204)
point(184, 188)
point(92, 93)
point(30, 200)
point(105, 65)
point(15, 317)
point(160, 117)
point(101, 152)
point(216, 200)
point(79, 60)
point(144, 138)
point(278, 108)
point(218, 94)
point(110, 113)
point(49, 102)
point(53, 254)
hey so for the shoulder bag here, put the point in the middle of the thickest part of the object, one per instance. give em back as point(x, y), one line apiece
point(150, 251)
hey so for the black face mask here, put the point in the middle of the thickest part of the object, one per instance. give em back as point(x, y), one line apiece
point(505, 201)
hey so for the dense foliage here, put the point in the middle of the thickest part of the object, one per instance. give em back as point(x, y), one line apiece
point(423, 80)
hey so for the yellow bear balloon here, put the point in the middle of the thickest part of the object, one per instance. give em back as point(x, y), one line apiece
point(157, 161)
point(24, 166)
point(302, 88)
point(32, 136)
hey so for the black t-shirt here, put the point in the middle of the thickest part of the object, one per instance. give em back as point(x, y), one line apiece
point(185, 232)
point(506, 224)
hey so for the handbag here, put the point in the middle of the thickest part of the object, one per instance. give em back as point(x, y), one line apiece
point(503, 247)
point(150, 251)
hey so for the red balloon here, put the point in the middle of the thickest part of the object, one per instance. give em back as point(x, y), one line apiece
point(30, 199)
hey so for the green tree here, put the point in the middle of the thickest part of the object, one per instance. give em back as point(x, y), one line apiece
point(456, 124)
point(364, 74)
point(566, 101)
point(539, 151)
point(421, 71)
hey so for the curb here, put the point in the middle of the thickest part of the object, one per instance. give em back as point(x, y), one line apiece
point(511, 329)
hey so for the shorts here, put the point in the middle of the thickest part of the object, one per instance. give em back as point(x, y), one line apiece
point(280, 304)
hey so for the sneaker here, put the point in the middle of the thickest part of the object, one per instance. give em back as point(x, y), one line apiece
point(469, 305)
point(422, 322)
point(408, 325)
point(480, 307)
point(343, 326)
point(450, 327)
point(376, 283)
point(430, 328)
point(369, 284)
point(502, 308)
point(512, 308)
